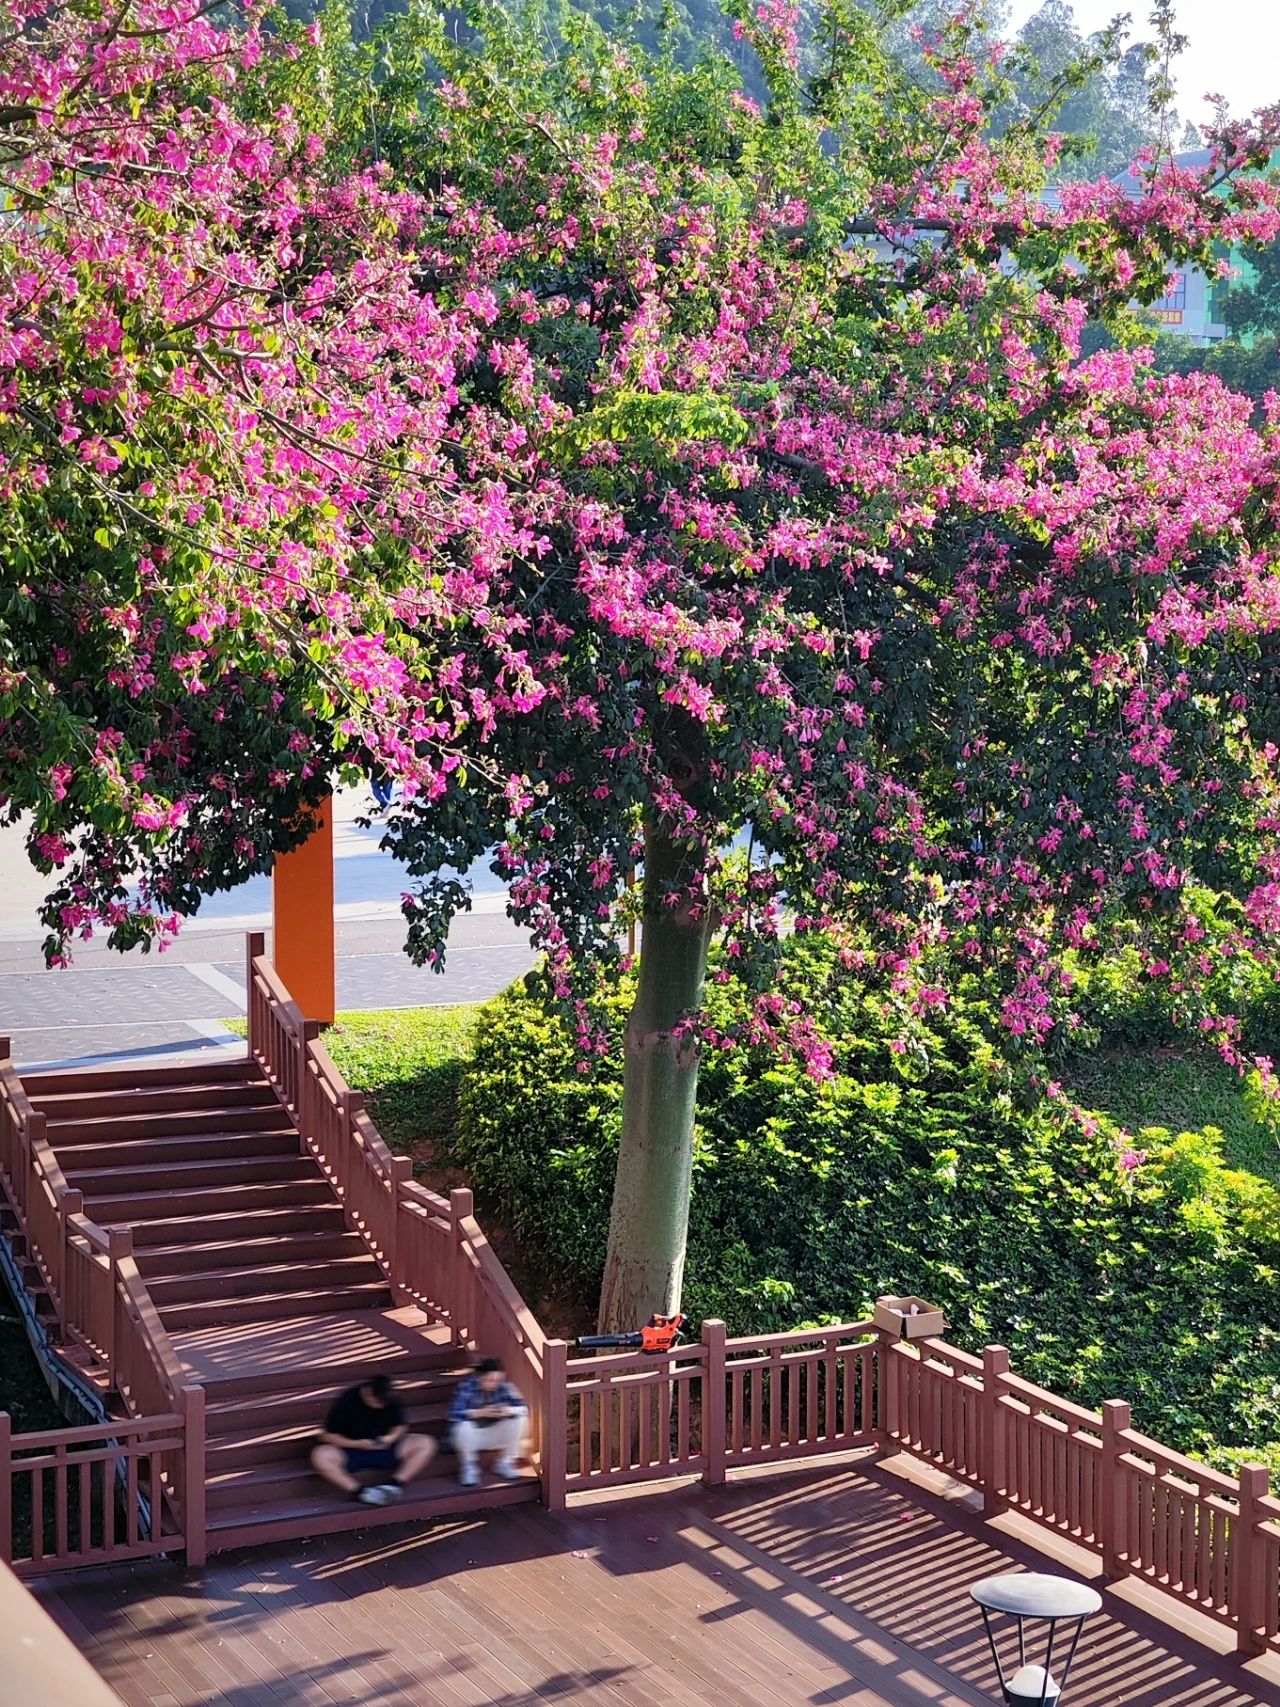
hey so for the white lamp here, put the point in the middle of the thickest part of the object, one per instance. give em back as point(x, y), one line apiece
point(1033, 1683)
point(1030, 1597)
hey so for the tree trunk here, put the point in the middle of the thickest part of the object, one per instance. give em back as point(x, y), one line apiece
point(649, 1225)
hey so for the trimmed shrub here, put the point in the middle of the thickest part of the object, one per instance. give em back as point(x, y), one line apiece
point(1139, 1267)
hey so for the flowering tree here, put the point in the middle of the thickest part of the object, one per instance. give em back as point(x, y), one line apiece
point(644, 479)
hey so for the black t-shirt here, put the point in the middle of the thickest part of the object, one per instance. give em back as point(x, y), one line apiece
point(350, 1417)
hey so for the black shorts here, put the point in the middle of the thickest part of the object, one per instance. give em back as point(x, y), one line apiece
point(371, 1458)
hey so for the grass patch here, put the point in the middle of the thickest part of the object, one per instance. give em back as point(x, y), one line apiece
point(1181, 1090)
point(409, 1063)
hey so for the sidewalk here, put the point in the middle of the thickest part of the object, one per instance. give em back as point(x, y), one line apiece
point(108, 1008)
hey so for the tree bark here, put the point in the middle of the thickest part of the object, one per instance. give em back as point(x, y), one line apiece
point(649, 1226)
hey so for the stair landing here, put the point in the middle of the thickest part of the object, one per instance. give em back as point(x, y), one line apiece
point(249, 1356)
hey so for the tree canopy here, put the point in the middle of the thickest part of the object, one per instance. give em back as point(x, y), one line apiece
point(642, 474)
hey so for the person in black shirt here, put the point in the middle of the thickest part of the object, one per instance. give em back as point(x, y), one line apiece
point(365, 1430)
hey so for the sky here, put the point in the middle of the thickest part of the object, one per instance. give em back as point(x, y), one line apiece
point(1234, 47)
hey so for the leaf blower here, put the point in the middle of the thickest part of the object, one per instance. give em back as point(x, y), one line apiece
point(660, 1333)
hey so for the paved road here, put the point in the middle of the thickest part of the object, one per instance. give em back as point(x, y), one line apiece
point(110, 1007)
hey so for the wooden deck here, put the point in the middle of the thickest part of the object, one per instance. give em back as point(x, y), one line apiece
point(833, 1586)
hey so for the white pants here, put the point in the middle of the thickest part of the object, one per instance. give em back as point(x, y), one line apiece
point(505, 1437)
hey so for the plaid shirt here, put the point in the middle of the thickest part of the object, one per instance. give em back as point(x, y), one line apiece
point(471, 1396)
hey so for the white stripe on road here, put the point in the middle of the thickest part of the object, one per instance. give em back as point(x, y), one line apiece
point(213, 1032)
point(218, 981)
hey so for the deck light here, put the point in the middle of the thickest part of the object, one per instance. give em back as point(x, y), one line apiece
point(1032, 1598)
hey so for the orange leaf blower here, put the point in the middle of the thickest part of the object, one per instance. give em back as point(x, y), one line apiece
point(660, 1333)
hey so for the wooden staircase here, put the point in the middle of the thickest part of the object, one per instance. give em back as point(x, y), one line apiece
point(270, 1297)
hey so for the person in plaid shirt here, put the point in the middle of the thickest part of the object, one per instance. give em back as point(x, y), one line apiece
point(487, 1415)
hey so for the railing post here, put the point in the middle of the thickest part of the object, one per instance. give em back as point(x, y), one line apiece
point(995, 1366)
point(352, 1108)
point(6, 1489)
point(554, 1466)
point(310, 1031)
point(714, 1402)
point(191, 1402)
point(255, 945)
point(1248, 1586)
point(461, 1205)
point(1112, 1488)
point(890, 1386)
point(401, 1174)
point(71, 1202)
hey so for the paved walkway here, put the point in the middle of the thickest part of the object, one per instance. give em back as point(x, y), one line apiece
point(109, 1007)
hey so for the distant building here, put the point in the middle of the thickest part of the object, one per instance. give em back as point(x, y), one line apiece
point(1192, 306)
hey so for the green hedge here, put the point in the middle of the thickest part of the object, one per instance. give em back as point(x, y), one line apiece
point(928, 1171)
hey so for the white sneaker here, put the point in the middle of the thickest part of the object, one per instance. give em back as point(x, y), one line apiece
point(508, 1470)
point(386, 1493)
point(469, 1476)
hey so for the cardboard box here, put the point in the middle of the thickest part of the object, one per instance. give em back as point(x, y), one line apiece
point(909, 1318)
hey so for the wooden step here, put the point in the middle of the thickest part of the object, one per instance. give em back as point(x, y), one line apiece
point(181, 1176)
point(289, 1479)
point(275, 1220)
point(162, 1262)
point(274, 1306)
point(199, 1201)
point(292, 1444)
point(254, 1281)
point(245, 1423)
point(186, 1147)
point(157, 1099)
point(138, 1076)
point(327, 1512)
point(108, 1127)
point(233, 1360)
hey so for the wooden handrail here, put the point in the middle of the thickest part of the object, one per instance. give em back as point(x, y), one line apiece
point(628, 1363)
point(802, 1336)
point(1167, 1461)
point(409, 1229)
point(499, 1285)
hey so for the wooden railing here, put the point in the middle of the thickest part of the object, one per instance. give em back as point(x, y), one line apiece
point(1211, 1542)
point(433, 1251)
point(100, 1302)
point(626, 1419)
point(93, 1495)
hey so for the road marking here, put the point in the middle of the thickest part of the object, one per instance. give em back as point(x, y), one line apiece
point(218, 981)
point(213, 1032)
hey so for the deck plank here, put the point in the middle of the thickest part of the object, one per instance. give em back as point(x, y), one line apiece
point(321, 1345)
point(833, 1587)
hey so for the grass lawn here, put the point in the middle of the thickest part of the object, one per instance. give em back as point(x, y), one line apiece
point(409, 1064)
point(1181, 1090)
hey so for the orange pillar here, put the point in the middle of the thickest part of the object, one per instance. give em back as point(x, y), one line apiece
point(302, 906)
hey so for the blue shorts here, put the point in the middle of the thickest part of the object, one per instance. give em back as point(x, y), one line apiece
point(372, 1458)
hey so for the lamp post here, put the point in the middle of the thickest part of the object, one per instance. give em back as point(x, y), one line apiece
point(1032, 1599)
